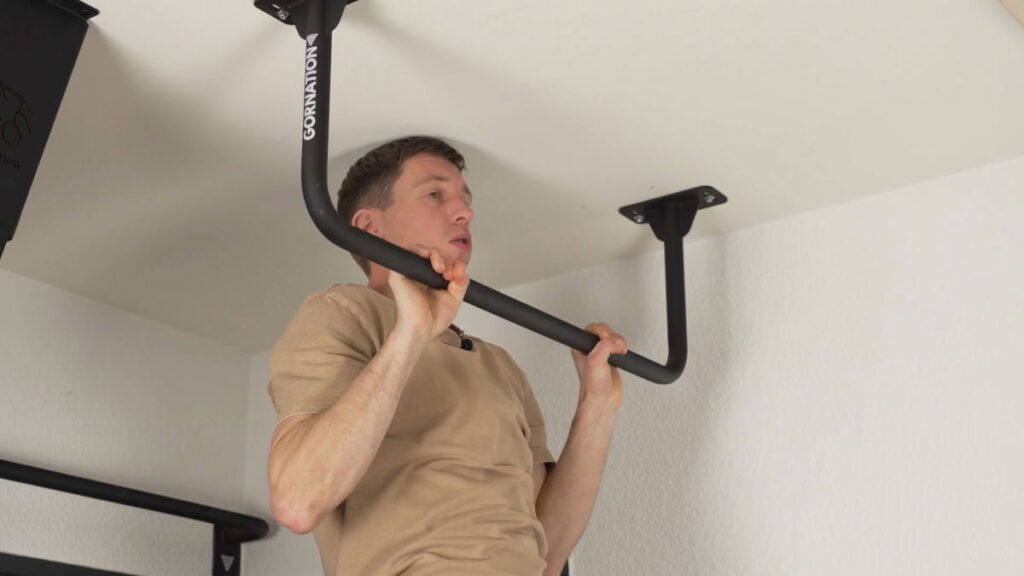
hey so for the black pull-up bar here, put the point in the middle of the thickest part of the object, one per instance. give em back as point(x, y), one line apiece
point(669, 216)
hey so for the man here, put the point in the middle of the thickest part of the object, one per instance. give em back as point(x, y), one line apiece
point(407, 450)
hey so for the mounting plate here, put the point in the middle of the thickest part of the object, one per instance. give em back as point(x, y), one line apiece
point(293, 12)
point(76, 7)
point(689, 201)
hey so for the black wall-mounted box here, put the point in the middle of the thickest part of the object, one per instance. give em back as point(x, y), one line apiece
point(39, 44)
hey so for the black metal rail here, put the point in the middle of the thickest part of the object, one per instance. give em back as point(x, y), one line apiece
point(230, 529)
point(12, 565)
point(670, 217)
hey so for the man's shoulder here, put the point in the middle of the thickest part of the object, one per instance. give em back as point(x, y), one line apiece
point(355, 298)
point(353, 294)
point(348, 310)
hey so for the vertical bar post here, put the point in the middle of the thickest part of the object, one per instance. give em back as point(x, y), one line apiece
point(227, 553)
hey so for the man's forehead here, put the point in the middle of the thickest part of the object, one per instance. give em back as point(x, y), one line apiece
point(438, 177)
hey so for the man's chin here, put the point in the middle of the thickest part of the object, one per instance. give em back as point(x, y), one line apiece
point(462, 256)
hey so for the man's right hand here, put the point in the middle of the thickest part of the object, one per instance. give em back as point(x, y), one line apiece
point(316, 460)
point(424, 311)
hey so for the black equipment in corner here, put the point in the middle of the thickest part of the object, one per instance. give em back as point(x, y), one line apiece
point(40, 41)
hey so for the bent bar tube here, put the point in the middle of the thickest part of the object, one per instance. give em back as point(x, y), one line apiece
point(236, 528)
point(316, 104)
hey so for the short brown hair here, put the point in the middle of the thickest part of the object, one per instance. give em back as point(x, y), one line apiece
point(370, 180)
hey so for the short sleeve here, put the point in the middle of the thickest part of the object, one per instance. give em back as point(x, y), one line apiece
point(319, 354)
point(535, 419)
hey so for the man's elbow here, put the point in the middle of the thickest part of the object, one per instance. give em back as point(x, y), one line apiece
point(297, 516)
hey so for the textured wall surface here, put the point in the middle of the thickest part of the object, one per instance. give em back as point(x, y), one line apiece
point(92, 391)
point(283, 551)
point(851, 403)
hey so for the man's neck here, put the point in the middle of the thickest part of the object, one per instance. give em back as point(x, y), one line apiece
point(378, 281)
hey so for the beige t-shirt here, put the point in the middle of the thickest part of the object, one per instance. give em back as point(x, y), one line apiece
point(450, 491)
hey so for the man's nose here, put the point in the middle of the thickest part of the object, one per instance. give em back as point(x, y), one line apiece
point(463, 212)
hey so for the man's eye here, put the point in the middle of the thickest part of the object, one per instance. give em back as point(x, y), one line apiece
point(434, 194)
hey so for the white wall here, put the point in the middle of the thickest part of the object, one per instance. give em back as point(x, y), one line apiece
point(852, 402)
point(89, 390)
point(282, 551)
point(850, 405)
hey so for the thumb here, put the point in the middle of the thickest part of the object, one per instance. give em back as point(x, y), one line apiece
point(395, 280)
point(459, 283)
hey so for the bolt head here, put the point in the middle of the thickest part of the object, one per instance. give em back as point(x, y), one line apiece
point(638, 218)
point(709, 198)
point(282, 14)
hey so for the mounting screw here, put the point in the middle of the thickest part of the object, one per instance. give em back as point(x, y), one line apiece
point(709, 198)
point(282, 14)
point(638, 218)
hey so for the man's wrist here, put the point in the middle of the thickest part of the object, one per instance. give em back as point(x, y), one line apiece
point(404, 346)
point(598, 406)
point(410, 337)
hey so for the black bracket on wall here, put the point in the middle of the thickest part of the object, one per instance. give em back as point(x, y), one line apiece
point(13, 565)
point(671, 217)
point(230, 529)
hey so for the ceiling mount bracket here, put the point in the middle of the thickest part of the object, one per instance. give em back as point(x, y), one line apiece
point(293, 12)
point(655, 210)
point(671, 218)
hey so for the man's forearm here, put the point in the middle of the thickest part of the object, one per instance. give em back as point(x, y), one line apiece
point(569, 492)
point(316, 465)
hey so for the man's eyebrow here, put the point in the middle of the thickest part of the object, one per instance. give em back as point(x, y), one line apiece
point(435, 178)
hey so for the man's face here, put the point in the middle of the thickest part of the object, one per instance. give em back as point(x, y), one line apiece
point(430, 206)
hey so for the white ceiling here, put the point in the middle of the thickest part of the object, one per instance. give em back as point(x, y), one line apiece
point(170, 185)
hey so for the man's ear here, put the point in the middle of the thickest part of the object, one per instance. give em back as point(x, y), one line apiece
point(366, 220)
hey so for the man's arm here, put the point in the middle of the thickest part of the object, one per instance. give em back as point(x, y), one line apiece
point(317, 460)
point(568, 493)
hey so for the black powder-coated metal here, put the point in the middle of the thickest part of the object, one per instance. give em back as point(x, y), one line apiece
point(13, 565)
point(652, 211)
point(293, 12)
point(673, 217)
point(230, 528)
point(39, 45)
